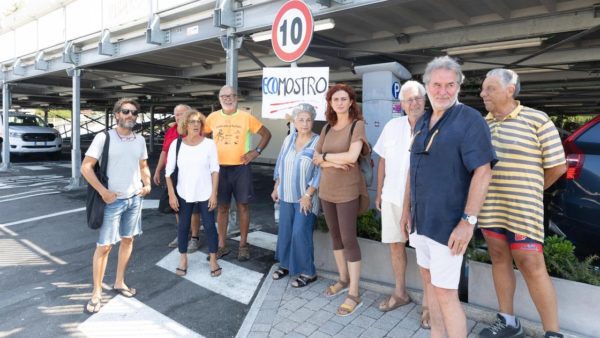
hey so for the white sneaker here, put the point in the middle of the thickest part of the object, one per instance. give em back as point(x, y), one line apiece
point(173, 243)
point(193, 245)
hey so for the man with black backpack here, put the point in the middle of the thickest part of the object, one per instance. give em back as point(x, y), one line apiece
point(128, 182)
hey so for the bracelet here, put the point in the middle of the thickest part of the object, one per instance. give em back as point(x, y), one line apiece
point(308, 195)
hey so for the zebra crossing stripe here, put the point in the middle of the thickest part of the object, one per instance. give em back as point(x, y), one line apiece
point(128, 317)
point(235, 282)
point(261, 239)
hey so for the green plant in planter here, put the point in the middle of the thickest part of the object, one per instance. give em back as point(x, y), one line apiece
point(477, 251)
point(368, 225)
point(559, 254)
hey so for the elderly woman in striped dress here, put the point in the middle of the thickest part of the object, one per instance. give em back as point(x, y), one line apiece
point(296, 182)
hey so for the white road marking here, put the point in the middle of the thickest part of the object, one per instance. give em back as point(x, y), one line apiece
point(43, 252)
point(22, 197)
point(261, 239)
point(150, 204)
point(255, 308)
point(14, 253)
point(64, 165)
point(43, 217)
point(31, 181)
point(25, 192)
point(235, 282)
point(128, 317)
point(35, 167)
point(7, 230)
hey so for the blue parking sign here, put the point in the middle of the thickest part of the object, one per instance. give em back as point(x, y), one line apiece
point(396, 90)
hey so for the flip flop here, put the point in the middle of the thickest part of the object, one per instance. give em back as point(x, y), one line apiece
point(303, 281)
point(425, 324)
point(129, 292)
point(280, 273)
point(332, 291)
point(180, 272)
point(216, 272)
point(92, 307)
point(346, 309)
point(398, 302)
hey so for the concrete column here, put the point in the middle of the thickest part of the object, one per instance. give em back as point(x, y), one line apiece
point(151, 150)
point(106, 118)
point(76, 179)
point(6, 103)
point(231, 58)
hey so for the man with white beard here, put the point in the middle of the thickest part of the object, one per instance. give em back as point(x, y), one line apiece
point(128, 182)
point(450, 170)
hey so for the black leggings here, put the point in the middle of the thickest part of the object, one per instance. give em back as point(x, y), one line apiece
point(341, 220)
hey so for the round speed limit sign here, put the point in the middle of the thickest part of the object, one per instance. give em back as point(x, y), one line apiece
point(292, 30)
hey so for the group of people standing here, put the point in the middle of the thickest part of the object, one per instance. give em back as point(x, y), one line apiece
point(441, 172)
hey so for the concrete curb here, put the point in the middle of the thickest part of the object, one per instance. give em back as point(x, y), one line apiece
point(256, 305)
point(476, 313)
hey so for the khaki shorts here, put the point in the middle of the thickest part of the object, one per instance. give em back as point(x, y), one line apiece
point(390, 223)
point(437, 258)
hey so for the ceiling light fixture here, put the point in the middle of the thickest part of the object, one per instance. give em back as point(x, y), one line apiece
point(501, 45)
point(251, 73)
point(531, 70)
point(131, 86)
point(319, 25)
point(204, 93)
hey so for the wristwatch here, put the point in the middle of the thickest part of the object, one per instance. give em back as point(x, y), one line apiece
point(258, 150)
point(469, 218)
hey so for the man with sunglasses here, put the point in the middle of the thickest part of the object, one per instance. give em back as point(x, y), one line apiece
point(231, 130)
point(171, 135)
point(128, 182)
point(512, 217)
point(450, 169)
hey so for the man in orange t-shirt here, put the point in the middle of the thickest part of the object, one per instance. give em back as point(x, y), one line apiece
point(231, 130)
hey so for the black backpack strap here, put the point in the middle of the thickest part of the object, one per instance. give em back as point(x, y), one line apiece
point(104, 163)
point(327, 127)
point(179, 140)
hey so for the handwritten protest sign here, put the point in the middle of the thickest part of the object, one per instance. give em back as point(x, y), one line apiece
point(284, 88)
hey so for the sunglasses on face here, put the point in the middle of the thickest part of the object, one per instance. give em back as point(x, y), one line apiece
point(134, 112)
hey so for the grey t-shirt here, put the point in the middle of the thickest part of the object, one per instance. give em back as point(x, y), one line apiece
point(124, 156)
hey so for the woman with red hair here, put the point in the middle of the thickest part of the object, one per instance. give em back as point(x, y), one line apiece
point(341, 142)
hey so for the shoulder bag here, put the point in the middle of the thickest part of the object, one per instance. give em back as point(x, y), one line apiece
point(94, 206)
point(163, 204)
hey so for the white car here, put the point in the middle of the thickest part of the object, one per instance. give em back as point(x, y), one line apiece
point(29, 134)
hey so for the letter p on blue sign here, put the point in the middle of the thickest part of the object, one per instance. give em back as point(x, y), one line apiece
point(396, 90)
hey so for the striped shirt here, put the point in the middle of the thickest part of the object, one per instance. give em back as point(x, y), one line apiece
point(526, 142)
point(296, 171)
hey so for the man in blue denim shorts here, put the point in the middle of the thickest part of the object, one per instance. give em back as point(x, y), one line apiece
point(128, 181)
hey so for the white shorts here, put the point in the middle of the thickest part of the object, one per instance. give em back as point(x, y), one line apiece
point(390, 223)
point(438, 259)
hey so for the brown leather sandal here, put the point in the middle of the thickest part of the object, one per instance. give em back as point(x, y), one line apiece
point(398, 302)
point(346, 309)
point(336, 288)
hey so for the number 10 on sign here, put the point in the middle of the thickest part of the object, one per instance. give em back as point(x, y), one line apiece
point(292, 31)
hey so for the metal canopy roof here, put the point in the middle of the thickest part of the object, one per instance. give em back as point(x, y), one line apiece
point(561, 75)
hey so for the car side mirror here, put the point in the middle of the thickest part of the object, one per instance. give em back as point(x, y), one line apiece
point(51, 125)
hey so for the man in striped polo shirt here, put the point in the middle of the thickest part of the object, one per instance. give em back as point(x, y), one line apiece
point(530, 159)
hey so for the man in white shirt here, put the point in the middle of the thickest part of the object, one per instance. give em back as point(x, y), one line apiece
point(128, 181)
point(392, 147)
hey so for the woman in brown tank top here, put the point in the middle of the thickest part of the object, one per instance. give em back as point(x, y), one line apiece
point(340, 188)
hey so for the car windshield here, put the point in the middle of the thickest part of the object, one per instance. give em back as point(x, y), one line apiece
point(29, 120)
